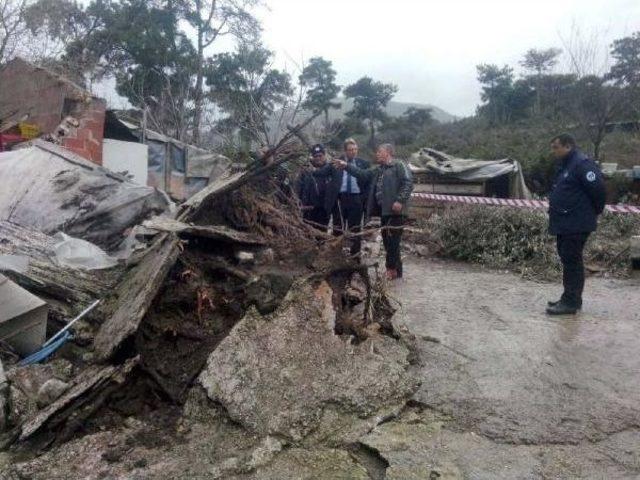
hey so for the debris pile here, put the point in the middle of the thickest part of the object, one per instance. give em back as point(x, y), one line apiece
point(240, 342)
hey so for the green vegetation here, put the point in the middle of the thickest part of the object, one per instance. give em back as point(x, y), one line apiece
point(517, 239)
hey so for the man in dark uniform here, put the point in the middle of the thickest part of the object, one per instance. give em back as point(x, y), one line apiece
point(345, 195)
point(388, 195)
point(311, 191)
point(577, 198)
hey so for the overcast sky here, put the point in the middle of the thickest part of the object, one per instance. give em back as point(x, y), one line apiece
point(430, 48)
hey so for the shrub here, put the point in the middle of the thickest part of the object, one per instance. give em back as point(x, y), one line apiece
point(517, 239)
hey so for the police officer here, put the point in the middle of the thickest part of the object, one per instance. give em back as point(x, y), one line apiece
point(576, 200)
point(311, 191)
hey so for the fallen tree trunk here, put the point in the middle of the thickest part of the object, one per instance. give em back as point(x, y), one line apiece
point(134, 296)
point(89, 391)
point(214, 232)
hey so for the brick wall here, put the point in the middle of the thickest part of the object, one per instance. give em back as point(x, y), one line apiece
point(86, 139)
point(44, 98)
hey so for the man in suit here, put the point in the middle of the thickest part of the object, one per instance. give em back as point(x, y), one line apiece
point(346, 194)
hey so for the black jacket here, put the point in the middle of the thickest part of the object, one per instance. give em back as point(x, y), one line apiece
point(578, 196)
point(311, 190)
point(334, 182)
point(397, 185)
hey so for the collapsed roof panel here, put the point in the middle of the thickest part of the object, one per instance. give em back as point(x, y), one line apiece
point(50, 189)
point(428, 160)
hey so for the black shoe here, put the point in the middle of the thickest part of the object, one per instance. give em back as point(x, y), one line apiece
point(557, 302)
point(561, 308)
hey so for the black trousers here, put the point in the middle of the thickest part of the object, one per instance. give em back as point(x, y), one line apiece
point(391, 239)
point(318, 217)
point(570, 249)
point(347, 216)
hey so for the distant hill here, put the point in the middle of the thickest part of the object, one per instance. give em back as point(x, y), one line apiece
point(395, 109)
point(278, 120)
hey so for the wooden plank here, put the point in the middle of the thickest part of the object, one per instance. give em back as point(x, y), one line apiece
point(135, 294)
point(87, 386)
point(215, 232)
point(450, 188)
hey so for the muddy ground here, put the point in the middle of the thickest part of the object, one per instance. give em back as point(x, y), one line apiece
point(523, 395)
point(506, 393)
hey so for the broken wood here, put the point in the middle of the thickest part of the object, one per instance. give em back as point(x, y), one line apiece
point(215, 232)
point(88, 392)
point(233, 180)
point(135, 294)
point(66, 290)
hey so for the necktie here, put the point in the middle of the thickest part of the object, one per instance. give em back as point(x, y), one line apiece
point(348, 179)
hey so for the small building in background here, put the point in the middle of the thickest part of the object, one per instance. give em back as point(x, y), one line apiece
point(42, 99)
point(176, 167)
point(37, 102)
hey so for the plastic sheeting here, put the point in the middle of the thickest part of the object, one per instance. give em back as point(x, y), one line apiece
point(471, 170)
point(50, 189)
point(76, 253)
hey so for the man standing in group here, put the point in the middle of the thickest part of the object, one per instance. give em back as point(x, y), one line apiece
point(344, 198)
point(390, 187)
point(577, 198)
point(311, 191)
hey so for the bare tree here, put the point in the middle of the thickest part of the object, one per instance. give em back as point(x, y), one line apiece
point(593, 101)
point(13, 29)
point(211, 20)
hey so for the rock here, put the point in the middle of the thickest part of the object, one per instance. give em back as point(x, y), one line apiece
point(266, 256)
point(283, 373)
point(245, 257)
point(267, 291)
point(297, 463)
point(50, 391)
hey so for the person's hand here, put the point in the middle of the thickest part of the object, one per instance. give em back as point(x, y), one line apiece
point(339, 164)
point(396, 207)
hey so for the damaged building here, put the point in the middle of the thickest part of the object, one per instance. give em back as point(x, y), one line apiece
point(55, 108)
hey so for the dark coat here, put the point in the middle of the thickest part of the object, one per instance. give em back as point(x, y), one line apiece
point(397, 185)
point(334, 182)
point(311, 190)
point(578, 196)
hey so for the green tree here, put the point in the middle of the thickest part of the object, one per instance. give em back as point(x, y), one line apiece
point(625, 72)
point(320, 79)
point(540, 63)
point(497, 87)
point(211, 20)
point(369, 101)
point(246, 87)
point(420, 117)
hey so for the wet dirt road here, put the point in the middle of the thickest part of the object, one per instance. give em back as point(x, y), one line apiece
point(518, 394)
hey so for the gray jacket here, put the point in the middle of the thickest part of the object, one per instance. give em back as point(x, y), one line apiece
point(397, 185)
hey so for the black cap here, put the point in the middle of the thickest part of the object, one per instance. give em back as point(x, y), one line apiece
point(316, 149)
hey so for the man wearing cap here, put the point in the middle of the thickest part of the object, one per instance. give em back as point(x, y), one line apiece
point(346, 194)
point(311, 191)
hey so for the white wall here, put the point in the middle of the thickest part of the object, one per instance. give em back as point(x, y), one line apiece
point(119, 156)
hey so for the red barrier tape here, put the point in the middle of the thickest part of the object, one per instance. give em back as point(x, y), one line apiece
point(511, 202)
